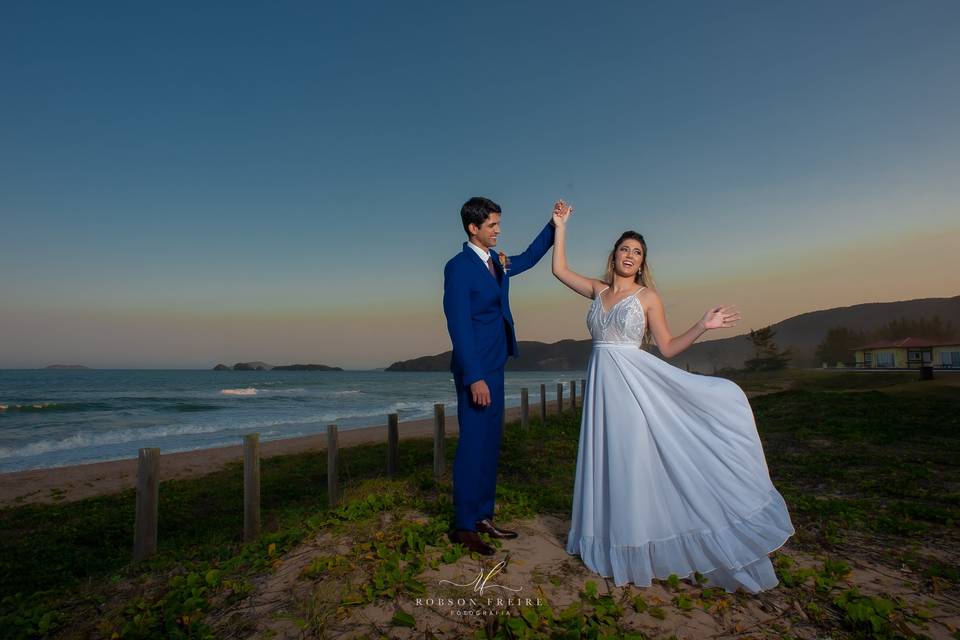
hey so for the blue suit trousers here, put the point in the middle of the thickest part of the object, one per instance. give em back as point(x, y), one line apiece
point(478, 452)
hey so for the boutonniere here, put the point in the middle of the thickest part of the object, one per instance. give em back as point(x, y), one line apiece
point(504, 261)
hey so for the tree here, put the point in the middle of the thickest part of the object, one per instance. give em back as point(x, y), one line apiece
point(839, 344)
point(766, 355)
point(930, 328)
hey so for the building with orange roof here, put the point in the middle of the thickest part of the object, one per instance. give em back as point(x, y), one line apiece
point(909, 353)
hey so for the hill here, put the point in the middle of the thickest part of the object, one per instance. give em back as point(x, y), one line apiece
point(800, 333)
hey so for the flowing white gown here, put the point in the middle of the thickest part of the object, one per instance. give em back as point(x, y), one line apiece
point(671, 476)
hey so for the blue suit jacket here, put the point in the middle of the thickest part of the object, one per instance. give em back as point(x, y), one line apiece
point(477, 308)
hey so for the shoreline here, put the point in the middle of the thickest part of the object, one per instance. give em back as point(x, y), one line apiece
point(76, 482)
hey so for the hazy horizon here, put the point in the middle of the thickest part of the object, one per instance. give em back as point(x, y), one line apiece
point(189, 186)
point(274, 362)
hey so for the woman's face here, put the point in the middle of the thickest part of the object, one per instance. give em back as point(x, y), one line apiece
point(628, 258)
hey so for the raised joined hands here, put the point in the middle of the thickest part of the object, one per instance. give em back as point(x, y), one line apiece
point(561, 211)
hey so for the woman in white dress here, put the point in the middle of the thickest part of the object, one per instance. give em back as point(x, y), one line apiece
point(671, 476)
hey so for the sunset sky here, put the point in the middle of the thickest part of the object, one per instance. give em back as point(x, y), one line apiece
point(182, 185)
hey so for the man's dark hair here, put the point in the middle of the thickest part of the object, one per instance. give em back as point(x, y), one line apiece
point(476, 211)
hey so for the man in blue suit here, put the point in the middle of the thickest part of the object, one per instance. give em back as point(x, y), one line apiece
point(476, 287)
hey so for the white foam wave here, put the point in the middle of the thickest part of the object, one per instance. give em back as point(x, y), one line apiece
point(83, 439)
point(249, 391)
point(86, 439)
point(416, 409)
point(178, 435)
point(35, 405)
point(284, 392)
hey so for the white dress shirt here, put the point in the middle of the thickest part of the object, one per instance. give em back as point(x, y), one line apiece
point(480, 252)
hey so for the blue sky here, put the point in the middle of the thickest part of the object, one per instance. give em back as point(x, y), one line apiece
point(186, 184)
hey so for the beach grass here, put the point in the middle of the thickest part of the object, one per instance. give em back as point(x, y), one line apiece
point(869, 469)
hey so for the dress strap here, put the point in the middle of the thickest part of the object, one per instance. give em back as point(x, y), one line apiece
point(601, 291)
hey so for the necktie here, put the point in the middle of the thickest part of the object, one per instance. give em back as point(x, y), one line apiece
point(493, 272)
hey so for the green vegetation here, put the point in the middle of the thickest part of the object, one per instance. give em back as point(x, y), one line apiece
point(840, 342)
point(766, 355)
point(868, 468)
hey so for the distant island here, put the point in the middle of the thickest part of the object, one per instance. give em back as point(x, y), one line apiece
point(263, 366)
point(801, 334)
point(306, 367)
point(66, 366)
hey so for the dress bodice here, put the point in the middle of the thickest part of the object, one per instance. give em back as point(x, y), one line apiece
point(623, 323)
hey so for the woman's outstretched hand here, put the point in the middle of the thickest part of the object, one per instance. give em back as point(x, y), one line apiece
point(561, 211)
point(720, 317)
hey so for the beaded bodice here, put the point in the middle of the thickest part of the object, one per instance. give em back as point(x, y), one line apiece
point(623, 323)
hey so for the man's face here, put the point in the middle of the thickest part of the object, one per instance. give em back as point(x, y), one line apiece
point(486, 234)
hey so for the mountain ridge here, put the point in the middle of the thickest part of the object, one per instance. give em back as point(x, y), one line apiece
point(801, 333)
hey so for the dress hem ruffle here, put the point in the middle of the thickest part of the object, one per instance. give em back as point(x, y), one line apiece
point(735, 556)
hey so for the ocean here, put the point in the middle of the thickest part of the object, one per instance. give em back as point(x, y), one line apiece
point(57, 417)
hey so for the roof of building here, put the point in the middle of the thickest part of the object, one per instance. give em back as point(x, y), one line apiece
point(909, 343)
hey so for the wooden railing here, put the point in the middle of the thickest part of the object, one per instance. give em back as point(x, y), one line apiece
point(148, 468)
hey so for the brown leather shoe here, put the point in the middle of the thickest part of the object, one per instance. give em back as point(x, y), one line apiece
point(471, 540)
point(487, 527)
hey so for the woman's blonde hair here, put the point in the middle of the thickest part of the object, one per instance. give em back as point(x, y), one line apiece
point(644, 276)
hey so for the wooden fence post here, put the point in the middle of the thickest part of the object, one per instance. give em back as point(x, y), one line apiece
point(439, 421)
point(524, 409)
point(559, 397)
point(333, 486)
point(393, 444)
point(251, 487)
point(543, 404)
point(573, 394)
point(148, 496)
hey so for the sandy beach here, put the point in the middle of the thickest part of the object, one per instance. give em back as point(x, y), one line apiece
point(76, 482)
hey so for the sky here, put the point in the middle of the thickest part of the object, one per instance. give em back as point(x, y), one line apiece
point(184, 184)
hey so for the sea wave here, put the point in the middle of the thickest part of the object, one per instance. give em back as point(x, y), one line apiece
point(13, 465)
point(189, 407)
point(257, 391)
point(83, 439)
point(30, 407)
point(178, 436)
point(413, 410)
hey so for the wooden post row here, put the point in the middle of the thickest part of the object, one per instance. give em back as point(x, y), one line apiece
point(148, 470)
